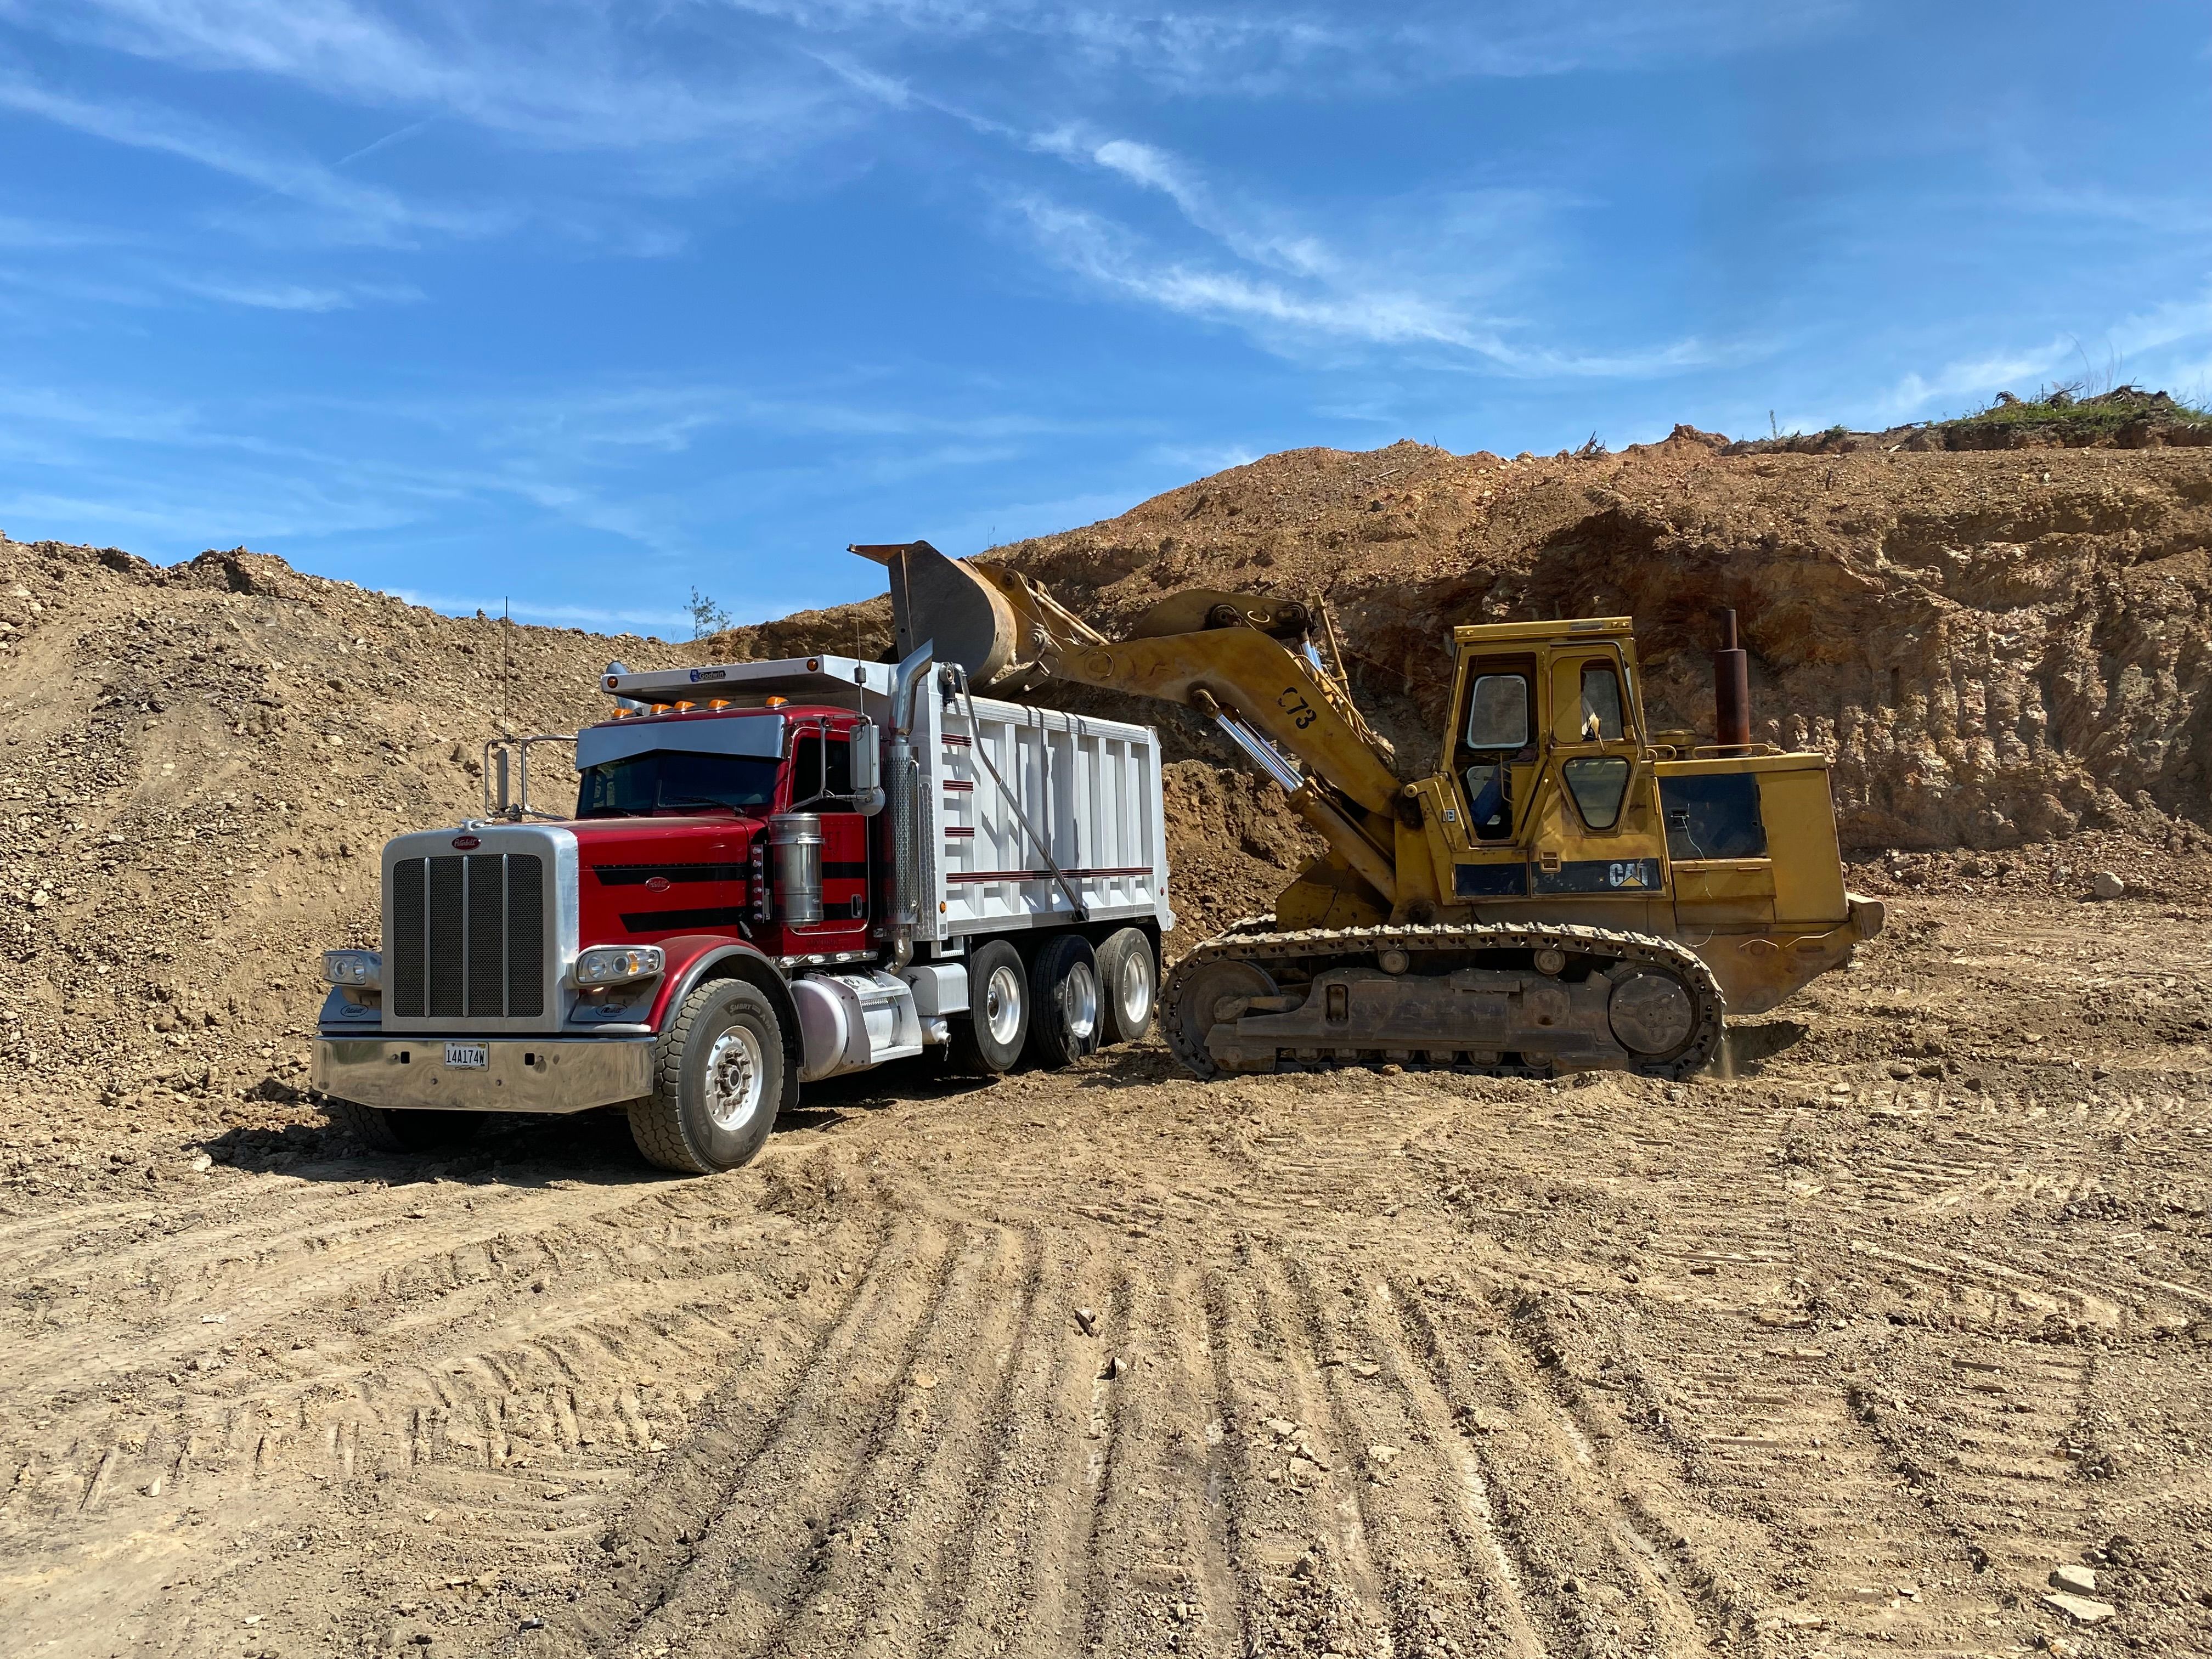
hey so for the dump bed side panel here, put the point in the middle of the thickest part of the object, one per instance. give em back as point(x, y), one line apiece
point(1091, 792)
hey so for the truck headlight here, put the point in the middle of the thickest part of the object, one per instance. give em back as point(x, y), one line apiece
point(612, 965)
point(354, 971)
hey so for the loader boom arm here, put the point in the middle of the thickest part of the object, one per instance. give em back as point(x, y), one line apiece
point(1220, 654)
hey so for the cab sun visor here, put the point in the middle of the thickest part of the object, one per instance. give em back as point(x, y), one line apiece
point(757, 736)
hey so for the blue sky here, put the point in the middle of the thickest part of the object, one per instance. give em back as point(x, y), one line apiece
point(587, 304)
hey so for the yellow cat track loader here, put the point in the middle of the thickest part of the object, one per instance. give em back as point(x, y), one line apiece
point(1567, 890)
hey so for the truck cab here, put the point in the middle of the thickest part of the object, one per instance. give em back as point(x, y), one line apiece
point(759, 886)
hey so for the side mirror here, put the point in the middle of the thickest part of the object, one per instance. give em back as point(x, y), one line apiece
point(866, 749)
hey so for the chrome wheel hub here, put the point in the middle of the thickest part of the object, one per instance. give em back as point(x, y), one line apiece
point(1082, 1000)
point(1002, 1005)
point(1136, 992)
point(734, 1080)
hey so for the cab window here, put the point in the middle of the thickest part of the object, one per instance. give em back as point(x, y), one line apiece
point(1498, 712)
point(1602, 720)
point(818, 769)
point(1598, 783)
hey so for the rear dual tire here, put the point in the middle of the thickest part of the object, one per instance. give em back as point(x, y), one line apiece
point(1128, 986)
point(1064, 997)
point(1064, 1003)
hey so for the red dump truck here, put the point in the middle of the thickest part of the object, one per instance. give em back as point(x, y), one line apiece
point(774, 873)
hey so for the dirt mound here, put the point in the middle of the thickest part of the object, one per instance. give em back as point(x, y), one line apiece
point(201, 764)
point(1995, 649)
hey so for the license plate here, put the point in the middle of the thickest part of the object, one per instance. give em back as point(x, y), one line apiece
point(473, 1055)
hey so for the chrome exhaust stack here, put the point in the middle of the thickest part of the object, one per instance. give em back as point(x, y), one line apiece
point(903, 786)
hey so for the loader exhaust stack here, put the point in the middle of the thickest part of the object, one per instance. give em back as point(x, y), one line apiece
point(1731, 689)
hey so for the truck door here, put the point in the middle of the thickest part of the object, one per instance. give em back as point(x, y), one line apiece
point(822, 783)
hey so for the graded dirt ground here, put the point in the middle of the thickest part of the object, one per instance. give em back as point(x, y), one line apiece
point(1843, 1354)
point(1846, 1351)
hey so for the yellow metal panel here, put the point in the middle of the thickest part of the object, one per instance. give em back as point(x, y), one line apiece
point(1723, 892)
point(1801, 841)
point(1565, 633)
point(1790, 762)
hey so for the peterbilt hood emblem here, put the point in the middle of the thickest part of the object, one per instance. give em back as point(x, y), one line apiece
point(468, 843)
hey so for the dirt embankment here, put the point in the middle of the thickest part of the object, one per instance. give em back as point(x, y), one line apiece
point(1996, 647)
point(200, 766)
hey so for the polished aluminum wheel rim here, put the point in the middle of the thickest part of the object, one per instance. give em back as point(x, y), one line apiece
point(1002, 1005)
point(1136, 991)
point(1082, 1000)
point(734, 1077)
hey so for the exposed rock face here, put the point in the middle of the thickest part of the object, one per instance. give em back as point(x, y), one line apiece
point(1992, 647)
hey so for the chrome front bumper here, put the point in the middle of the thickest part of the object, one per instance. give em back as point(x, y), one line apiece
point(523, 1074)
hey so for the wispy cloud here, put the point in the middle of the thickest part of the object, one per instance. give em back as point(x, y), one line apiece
point(1295, 291)
point(570, 76)
point(1973, 376)
point(1297, 50)
point(2018, 369)
point(294, 296)
point(365, 212)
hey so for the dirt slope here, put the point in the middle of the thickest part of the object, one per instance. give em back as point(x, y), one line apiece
point(200, 766)
point(1996, 647)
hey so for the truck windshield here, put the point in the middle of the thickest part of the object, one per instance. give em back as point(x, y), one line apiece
point(667, 781)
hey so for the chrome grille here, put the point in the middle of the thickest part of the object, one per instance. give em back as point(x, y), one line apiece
point(467, 937)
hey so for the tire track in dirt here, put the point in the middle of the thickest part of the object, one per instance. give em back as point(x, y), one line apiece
point(1025, 1516)
point(1161, 1578)
point(1448, 1584)
point(565, 1381)
point(737, 1574)
point(880, 1550)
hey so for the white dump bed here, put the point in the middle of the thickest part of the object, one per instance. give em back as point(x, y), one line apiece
point(1090, 791)
point(1090, 788)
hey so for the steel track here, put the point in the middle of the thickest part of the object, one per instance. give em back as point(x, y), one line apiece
point(1253, 939)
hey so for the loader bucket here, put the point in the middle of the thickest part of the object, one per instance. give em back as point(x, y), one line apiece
point(944, 601)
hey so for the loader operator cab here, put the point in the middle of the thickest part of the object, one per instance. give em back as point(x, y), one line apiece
point(1575, 701)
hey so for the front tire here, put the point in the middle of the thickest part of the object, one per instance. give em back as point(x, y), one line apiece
point(1064, 987)
point(989, 1039)
point(1128, 987)
point(718, 1082)
point(387, 1129)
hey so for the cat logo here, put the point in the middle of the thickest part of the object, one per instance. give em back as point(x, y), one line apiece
point(1629, 873)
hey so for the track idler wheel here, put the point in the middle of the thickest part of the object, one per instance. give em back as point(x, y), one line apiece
point(1195, 1002)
